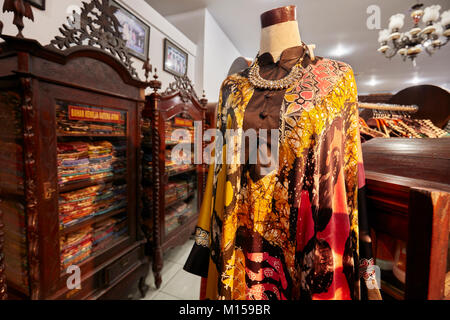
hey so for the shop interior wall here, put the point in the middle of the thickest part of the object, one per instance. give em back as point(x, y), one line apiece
point(215, 51)
point(46, 24)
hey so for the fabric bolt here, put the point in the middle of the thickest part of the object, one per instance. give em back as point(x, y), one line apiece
point(79, 161)
point(82, 204)
point(294, 232)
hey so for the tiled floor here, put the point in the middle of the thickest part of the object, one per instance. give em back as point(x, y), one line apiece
point(177, 284)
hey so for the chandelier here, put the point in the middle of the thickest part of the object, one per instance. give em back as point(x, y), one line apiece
point(429, 37)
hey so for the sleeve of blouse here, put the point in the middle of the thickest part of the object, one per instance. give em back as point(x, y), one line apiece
point(366, 268)
point(198, 260)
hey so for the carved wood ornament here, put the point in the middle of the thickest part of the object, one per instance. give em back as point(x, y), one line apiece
point(20, 9)
point(98, 28)
point(30, 188)
point(184, 86)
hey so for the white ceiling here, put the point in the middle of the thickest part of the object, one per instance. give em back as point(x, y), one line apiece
point(330, 24)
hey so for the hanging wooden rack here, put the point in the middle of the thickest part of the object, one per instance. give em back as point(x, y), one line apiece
point(388, 107)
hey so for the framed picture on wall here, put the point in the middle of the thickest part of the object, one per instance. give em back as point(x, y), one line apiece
point(134, 31)
point(175, 59)
point(40, 4)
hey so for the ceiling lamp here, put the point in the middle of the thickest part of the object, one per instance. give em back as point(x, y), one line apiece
point(429, 37)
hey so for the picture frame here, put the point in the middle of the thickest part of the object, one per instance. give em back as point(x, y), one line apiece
point(40, 4)
point(175, 59)
point(134, 31)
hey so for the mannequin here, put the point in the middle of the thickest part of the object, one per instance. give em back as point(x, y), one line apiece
point(289, 232)
point(280, 31)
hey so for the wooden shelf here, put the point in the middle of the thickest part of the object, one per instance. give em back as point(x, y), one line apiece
point(91, 220)
point(174, 143)
point(88, 183)
point(169, 175)
point(87, 135)
point(96, 254)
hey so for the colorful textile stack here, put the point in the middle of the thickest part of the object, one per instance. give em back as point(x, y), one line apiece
point(176, 215)
point(176, 190)
point(78, 161)
point(175, 166)
point(189, 138)
point(100, 160)
point(73, 162)
point(79, 205)
point(15, 242)
point(107, 231)
point(119, 158)
point(80, 245)
point(76, 247)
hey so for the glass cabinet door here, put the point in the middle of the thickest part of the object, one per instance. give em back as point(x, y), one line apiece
point(92, 167)
point(180, 194)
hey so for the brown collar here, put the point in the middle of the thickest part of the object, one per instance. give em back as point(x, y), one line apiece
point(289, 57)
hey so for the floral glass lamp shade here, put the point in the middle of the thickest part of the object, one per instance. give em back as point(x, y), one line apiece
point(409, 44)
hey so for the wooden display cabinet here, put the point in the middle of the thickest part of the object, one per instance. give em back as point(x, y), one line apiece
point(66, 207)
point(408, 195)
point(170, 222)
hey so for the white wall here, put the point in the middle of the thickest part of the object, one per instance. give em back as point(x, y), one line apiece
point(192, 24)
point(46, 25)
point(216, 52)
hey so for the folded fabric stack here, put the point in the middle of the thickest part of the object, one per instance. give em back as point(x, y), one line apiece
point(79, 205)
point(78, 161)
point(12, 169)
point(178, 164)
point(121, 227)
point(189, 138)
point(107, 231)
point(191, 185)
point(177, 214)
point(101, 129)
point(119, 157)
point(176, 190)
point(73, 162)
point(100, 160)
point(15, 242)
point(76, 247)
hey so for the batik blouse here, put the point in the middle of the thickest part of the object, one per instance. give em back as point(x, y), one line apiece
point(294, 232)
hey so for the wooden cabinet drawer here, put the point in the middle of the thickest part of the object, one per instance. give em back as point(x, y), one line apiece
point(121, 266)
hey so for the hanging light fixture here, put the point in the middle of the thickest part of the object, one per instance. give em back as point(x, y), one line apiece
point(429, 37)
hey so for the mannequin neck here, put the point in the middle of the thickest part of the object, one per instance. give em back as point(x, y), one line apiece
point(278, 37)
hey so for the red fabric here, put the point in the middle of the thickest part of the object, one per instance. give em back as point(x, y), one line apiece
point(203, 284)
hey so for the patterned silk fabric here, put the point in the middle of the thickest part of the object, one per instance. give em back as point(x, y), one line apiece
point(292, 234)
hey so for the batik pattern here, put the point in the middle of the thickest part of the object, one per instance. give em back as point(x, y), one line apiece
point(293, 234)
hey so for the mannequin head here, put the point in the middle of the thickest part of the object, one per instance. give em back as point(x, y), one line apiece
point(279, 31)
